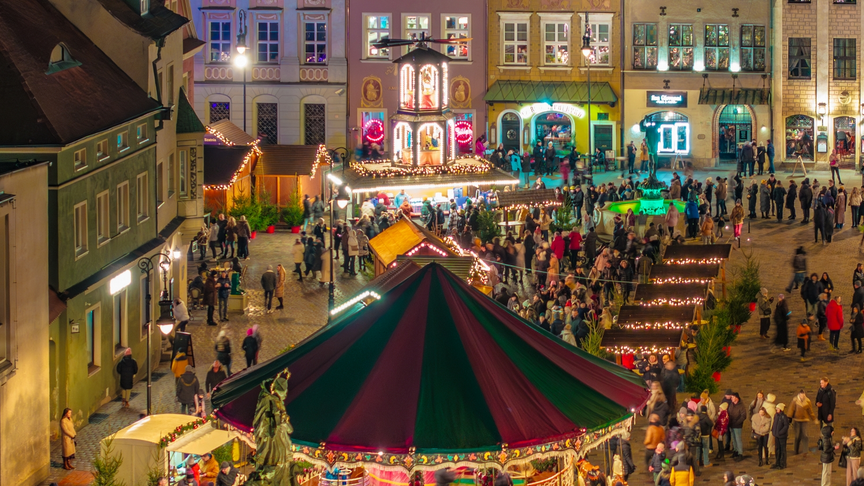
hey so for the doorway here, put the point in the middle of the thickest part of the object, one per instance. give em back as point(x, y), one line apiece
point(511, 128)
point(735, 127)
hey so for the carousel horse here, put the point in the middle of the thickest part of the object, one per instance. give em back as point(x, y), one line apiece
point(590, 475)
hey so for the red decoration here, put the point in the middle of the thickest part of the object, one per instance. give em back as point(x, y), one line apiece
point(752, 306)
point(373, 131)
point(716, 376)
point(464, 132)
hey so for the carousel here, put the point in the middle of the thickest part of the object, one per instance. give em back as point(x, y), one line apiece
point(431, 375)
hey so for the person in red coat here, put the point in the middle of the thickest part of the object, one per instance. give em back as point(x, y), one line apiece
point(557, 246)
point(834, 315)
point(575, 247)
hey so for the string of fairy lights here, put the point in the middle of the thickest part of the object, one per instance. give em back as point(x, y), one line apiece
point(694, 261)
point(247, 159)
point(654, 326)
point(681, 280)
point(647, 349)
point(322, 157)
point(481, 167)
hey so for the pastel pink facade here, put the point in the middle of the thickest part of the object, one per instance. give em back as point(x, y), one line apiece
point(374, 80)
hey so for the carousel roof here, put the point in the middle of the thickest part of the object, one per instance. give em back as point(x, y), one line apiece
point(435, 366)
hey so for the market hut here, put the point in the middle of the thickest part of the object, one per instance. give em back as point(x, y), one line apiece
point(700, 255)
point(684, 273)
point(284, 170)
point(671, 294)
point(231, 155)
point(658, 317)
point(523, 201)
point(434, 374)
point(622, 342)
point(406, 238)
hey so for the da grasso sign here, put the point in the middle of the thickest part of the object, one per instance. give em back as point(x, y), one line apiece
point(667, 99)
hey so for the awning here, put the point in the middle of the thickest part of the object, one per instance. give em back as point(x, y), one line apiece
point(550, 92)
point(362, 183)
point(222, 163)
point(286, 160)
point(532, 198)
point(737, 96)
point(201, 440)
point(401, 237)
point(701, 254)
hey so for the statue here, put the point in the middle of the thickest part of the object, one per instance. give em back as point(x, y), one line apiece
point(274, 464)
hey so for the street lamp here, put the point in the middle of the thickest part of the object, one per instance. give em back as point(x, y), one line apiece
point(341, 197)
point(166, 320)
point(240, 60)
point(588, 52)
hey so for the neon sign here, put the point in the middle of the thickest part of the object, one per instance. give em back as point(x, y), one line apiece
point(667, 98)
point(464, 132)
point(565, 108)
point(374, 130)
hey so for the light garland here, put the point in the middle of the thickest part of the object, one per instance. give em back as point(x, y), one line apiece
point(374, 125)
point(673, 301)
point(649, 326)
point(375, 189)
point(478, 272)
point(680, 280)
point(222, 138)
point(361, 169)
point(639, 349)
point(322, 157)
point(354, 300)
point(530, 206)
point(246, 160)
point(181, 430)
point(695, 261)
point(419, 247)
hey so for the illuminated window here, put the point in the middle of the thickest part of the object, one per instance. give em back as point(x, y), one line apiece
point(316, 42)
point(717, 47)
point(600, 35)
point(415, 26)
point(644, 46)
point(457, 27)
point(220, 41)
point(407, 87)
point(429, 89)
point(122, 141)
point(556, 37)
point(681, 47)
point(752, 47)
point(377, 27)
point(799, 58)
point(515, 42)
point(373, 127)
point(844, 59)
point(268, 41)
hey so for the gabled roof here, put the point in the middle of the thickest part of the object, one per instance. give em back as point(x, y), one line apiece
point(231, 132)
point(156, 24)
point(222, 163)
point(400, 238)
point(422, 55)
point(550, 92)
point(286, 160)
point(67, 105)
point(187, 120)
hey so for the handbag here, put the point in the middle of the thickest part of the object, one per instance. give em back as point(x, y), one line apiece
point(715, 433)
point(842, 462)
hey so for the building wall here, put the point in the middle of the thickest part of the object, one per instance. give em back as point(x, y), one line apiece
point(375, 82)
point(24, 399)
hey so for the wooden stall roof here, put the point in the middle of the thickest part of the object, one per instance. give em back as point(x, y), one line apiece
point(401, 237)
point(460, 266)
point(659, 338)
point(685, 271)
point(286, 160)
point(532, 198)
point(232, 132)
point(650, 292)
point(637, 314)
point(697, 252)
point(222, 163)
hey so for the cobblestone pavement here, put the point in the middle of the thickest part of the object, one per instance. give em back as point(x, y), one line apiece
point(757, 365)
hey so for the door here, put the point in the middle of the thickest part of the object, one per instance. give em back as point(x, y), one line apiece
point(735, 127)
point(603, 137)
point(511, 128)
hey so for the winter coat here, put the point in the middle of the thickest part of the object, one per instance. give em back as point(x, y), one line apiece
point(691, 209)
point(626, 455)
point(779, 195)
point(826, 445)
point(737, 415)
point(243, 230)
point(67, 430)
point(210, 297)
point(707, 228)
point(827, 397)
point(761, 425)
point(675, 190)
point(858, 326)
point(840, 209)
point(791, 196)
point(834, 313)
point(214, 378)
point(764, 198)
point(737, 216)
point(810, 291)
point(805, 195)
point(720, 191)
point(801, 411)
point(854, 446)
point(223, 351)
point(298, 251)
point(326, 261)
point(127, 368)
point(318, 209)
point(280, 282)
point(780, 427)
point(681, 477)
point(672, 217)
point(187, 388)
point(250, 346)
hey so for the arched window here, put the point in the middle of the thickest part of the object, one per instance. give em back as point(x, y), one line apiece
point(60, 59)
point(402, 144)
point(734, 127)
point(799, 136)
point(430, 144)
point(429, 89)
point(406, 90)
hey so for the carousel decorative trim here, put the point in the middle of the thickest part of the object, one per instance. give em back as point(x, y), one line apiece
point(478, 165)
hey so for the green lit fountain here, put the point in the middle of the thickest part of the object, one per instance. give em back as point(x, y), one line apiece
point(651, 202)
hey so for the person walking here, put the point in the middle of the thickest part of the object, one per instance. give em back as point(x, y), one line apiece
point(223, 285)
point(127, 368)
point(801, 413)
point(215, 375)
point(279, 291)
point(826, 400)
point(769, 150)
point(223, 350)
point(68, 434)
point(780, 430)
point(213, 239)
point(761, 424)
point(810, 290)
point(737, 219)
point(268, 283)
point(799, 269)
point(181, 315)
point(186, 389)
point(210, 297)
point(834, 316)
point(826, 448)
point(763, 305)
point(781, 322)
point(298, 251)
point(250, 348)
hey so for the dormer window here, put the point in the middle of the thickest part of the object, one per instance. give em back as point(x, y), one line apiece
point(60, 59)
point(145, 6)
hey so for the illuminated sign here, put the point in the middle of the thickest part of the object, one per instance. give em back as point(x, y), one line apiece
point(565, 108)
point(667, 98)
point(120, 282)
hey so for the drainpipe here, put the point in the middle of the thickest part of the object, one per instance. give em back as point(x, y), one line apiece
point(347, 90)
point(771, 78)
point(621, 74)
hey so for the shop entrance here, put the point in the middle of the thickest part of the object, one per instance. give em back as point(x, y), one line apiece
point(734, 127)
point(511, 126)
point(553, 127)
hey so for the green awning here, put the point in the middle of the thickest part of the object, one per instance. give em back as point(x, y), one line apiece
point(550, 92)
point(737, 96)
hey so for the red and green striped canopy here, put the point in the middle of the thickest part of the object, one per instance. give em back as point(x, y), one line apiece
point(435, 365)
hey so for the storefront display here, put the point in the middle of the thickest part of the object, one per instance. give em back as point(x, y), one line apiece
point(553, 127)
point(844, 135)
point(669, 132)
point(799, 137)
point(735, 127)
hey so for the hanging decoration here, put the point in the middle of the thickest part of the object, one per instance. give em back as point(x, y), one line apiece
point(373, 130)
point(181, 430)
point(464, 132)
point(363, 169)
point(322, 157)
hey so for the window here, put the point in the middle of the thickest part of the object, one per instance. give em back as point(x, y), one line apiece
point(373, 127)
point(145, 6)
point(220, 41)
point(644, 46)
point(123, 207)
point(752, 47)
point(556, 36)
point(143, 197)
point(80, 158)
point(160, 184)
point(316, 42)
point(268, 123)
point(80, 230)
point(103, 231)
point(92, 342)
point(170, 175)
point(220, 111)
point(102, 149)
point(457, 27)
point(515, 42)
point(799, 58)
point(681, 46)
point(844, 58)
point(377, 27)
point(119, 340)
point(184, 190)
point(141, 133)
point(122, 141)
point(717, 47)
point(169, 86)
point(799, 137)
point(268, 41)
point(600, 46)
point(415, 26)
point(845, 2)
point(314, 122)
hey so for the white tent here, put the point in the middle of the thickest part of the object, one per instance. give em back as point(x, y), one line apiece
point(139, 443)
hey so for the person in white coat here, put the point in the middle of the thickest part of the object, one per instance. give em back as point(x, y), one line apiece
point(298, 250)
point(181, 315)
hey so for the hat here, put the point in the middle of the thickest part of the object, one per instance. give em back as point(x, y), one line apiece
point(249, 332)
point(666, 465)
point(781, 406)
point(770, 398)
point(190, 473)
point(189, 368)
point(728, 391)
point(704, 395)
point(692, 405)
point(724, 406)
point(224, 465)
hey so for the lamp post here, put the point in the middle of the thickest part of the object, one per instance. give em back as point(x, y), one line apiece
point(166, 321)
point(588, 52)
point(241, 61)
point(340, 198)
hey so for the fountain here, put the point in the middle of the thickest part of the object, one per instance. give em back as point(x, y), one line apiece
point(651, 202)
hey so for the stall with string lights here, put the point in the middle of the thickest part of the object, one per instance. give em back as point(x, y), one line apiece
point(231, 156)
point(660, 317)
point(283, 171)
point(700, 255)
point(523, 201)
point(621, 342)
point(684, 273)
point(652, 295)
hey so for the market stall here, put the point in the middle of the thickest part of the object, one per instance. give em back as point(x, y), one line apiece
point(671, 294)
point(372, 387)
point(638, 317)
point(697, 254)
point(684, 273)
point(523, 201)
point(652, 341)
